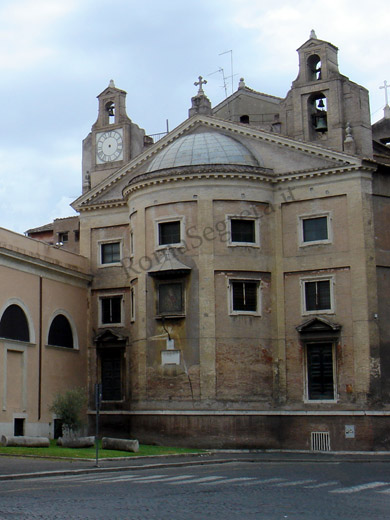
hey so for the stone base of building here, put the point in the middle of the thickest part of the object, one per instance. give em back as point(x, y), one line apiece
point(321, 431)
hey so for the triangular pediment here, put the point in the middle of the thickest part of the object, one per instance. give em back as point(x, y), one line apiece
point(111, 91)
point(314, 43)
point(109, 336)
point(280, 156)
point(251, 94)
point(317, 326)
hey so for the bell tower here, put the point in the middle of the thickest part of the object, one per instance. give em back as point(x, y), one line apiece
point(114, 139)
point(324, 106)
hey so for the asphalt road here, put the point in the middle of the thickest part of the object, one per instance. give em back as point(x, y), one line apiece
point(235, 490)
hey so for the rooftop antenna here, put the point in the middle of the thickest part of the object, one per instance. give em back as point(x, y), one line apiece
point(224, 79)
point(231, 64)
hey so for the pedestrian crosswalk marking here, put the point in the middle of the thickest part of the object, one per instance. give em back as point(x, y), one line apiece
point(265, 481)
point(295, 483)
point(133, 478)
point(360, 487)
point(163, 480)
point(228, 480)
point(215, 481)
point(323, 484)
point(386, 491)
point(197, 480)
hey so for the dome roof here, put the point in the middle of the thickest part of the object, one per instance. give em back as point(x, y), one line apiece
point(203, 148)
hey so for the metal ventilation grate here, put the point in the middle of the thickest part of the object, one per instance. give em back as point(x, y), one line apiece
point(320, 441)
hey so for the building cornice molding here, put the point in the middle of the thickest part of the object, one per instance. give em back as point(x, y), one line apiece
point(40, 267)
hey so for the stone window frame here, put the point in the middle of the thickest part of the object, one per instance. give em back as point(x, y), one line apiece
point(173, 218)
point(233, 312)
point(102, 243)
point(110, 296)
point(308, 216)
point(303, 281)
point(252, 218)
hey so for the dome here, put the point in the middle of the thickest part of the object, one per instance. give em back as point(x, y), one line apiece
point(203, 148)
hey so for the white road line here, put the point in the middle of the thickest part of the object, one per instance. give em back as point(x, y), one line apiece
point(387, 491)
point(115, 479)
point(361, 487)
point(264, 481)
point(227, 481)
point(134, 478)
point(323, 484)
point(295, 483)
point(196, 480)
point(163, 480)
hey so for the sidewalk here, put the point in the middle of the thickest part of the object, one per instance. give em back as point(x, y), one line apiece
point(26, 467)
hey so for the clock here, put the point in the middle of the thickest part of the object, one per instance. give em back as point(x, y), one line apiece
point(109, 146)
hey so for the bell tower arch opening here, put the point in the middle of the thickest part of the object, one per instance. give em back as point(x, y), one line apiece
point(110, 109)
point(314, 68)
point(318, 115)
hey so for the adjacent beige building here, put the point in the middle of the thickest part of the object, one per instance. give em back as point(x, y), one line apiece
point(44, 331)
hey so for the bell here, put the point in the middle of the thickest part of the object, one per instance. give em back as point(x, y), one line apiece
point(110, 111)
point(321, 103)
point(321, 124)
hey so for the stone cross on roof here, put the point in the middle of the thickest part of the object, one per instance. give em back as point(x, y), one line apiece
point(200, 83)
point(385, 86)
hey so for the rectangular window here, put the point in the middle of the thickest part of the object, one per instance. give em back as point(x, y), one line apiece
point(243, 230)
point(315, 229)
point(320, 371)
point(170, 299)
point(63, 237)
point(244, 296)
point(318, 295)
point(110, 253)
point(169, 232)
point(131, 243)
point(111, 310)
point(132, 303)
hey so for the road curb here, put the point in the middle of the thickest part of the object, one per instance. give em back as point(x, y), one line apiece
point(206, 459)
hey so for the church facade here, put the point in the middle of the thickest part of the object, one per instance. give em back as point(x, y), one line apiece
point(240, 268)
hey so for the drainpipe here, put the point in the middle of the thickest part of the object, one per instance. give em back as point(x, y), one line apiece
point(40, 351)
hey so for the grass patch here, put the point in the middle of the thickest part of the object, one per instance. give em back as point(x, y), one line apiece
point(89, 453)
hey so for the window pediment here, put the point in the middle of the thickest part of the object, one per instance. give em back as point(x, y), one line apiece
point(318, 326)
point(109, 336)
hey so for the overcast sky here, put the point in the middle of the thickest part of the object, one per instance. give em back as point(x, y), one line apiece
point(56, 56)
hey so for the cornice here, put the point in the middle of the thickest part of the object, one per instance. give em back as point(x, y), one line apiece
point(32, 264)
point(117, 203)
point(190, 176)
point(182, 174)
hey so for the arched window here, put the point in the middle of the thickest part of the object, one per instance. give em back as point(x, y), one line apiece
point(314, 68)
point(14, 324)
point(60, 333)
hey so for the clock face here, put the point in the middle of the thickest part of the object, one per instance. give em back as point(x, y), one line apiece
point(109, 146)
